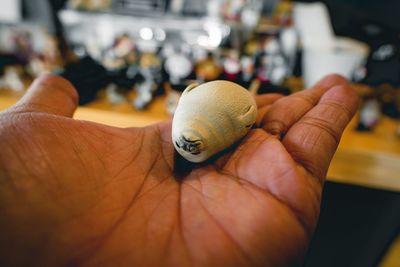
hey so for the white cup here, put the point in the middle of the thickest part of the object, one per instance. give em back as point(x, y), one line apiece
point(343, 58)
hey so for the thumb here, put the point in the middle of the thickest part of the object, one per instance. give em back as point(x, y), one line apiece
point(50, 94)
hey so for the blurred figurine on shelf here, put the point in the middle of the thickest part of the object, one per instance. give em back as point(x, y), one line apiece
point(124, 47)
point(198, 54)
point(180, 70)
point(273, 66)
point(47, 61)
point(121, 54)
point(112, 62)
point(114, 94)
point(232, 9)
point(389, 98)
point(250, 15)
point(231, 66)
point(359, 75)
point(120, 61)
point(252, 46)
point(272, 69)
point(22, 45)
point(179, 67)
point(119, 86)
point(247, 70)
point(13, 78)
point(150, 70)
point(370, 114)
point(289, 42)
point(121, 82)
point(144, 93)
point(208, 69)
point(283, 14)
point(33, 48)
point(38, 65)
point(276, 66)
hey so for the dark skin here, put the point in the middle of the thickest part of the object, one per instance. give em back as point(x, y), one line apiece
point(78, 193)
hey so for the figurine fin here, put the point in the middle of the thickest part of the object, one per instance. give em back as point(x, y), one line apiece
point(249, 117)
point(190, 88)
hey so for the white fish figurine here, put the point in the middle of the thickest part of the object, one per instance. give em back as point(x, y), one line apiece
point(211, 117)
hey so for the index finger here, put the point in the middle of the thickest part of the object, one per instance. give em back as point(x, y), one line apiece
point(313, 140)
point(50, 94)
point(264, 103)
point(287, 111)
point(266, 99)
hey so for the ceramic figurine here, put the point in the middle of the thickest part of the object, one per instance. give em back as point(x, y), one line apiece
point(207, 69)
point(13, 78)
point(210, 118)
point(231, 66)
point(178, 66)
point(232, 9)
point(370, 114)
point(124, 47)
point(144, 93)
point(247, 68)
point(263, 72)
point(114, 95)
point(251, 15)
point(273, 67)
point(150, 70)
point(121, 54)
point(289, 44)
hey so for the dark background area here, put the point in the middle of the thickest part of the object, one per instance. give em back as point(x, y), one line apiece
point(357, 225)
point(348, 15)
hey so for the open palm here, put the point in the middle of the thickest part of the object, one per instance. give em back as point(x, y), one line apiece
point(80, 193)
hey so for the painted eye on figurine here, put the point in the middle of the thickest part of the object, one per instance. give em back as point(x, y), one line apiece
point(210, 118)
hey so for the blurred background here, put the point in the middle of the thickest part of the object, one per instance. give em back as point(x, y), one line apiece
point(131, 59)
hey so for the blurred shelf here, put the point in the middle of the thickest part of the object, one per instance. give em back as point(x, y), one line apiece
point(166, 21)
point(105, 26)
point(367, 159)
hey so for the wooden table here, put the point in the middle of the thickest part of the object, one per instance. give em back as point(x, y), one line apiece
point(365, 159)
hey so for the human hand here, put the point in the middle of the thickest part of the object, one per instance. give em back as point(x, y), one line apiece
point(79, 193)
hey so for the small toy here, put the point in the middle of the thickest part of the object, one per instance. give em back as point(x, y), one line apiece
point(121, 54)
point(273, 65)
point(210, 118)
point(231, 66)
point(247, 69)
point(232, 9)
point(13, 78)
point(208, 69)
point(178, 66)
point(114, 94)
point(370, 114)
point(150, 69)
